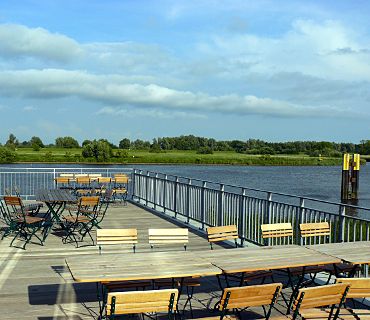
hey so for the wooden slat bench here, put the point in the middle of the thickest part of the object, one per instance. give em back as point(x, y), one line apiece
point(138, 302)
point(168, 236)
point(222, 233)
point(116, 237)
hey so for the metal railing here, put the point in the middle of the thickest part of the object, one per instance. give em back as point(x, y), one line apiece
point(28, 180)
point(204, 203)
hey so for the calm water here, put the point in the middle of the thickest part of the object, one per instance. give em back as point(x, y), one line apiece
point(316, 182)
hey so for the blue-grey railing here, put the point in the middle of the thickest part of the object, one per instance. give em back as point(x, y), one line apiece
point(204, 203)
point(28, 180)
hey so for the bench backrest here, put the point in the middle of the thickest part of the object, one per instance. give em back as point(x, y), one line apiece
point(315, 229)
point(222, 233)
point(116, 236)
point(327, 295)
point(135, 302)
point(168, 236)
point(250, 296)
point(359, 287)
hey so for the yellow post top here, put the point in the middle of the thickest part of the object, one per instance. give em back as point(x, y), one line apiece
point(346, 162)
point(356, 162)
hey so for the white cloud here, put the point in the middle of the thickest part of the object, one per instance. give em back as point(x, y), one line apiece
point(307, 48)
point(148, 113)
point(20, 41)
point(113, 90)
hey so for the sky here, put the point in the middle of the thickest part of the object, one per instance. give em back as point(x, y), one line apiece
point(276, 70)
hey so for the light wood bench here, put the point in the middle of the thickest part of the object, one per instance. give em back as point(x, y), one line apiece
point(310, 302)
point(359, 289)
point(277, 231)
point(137, 302)
point(313, 230)
point(116, 237)
point(240, 298)
point(222, 233)
point(168, 236)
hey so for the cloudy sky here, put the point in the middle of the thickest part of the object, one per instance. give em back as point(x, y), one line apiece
point(237, 69)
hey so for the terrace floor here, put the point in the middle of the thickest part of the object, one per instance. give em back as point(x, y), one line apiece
point(36, 284)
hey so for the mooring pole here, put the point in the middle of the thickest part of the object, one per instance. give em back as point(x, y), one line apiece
point(345, 178)
point(355, 176)
point(350, 177)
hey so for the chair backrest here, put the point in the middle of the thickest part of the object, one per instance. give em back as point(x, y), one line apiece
point(89, 202)
point(135, 302)
point(168, 236)
point(116, 236)
point(83, 180)
point(359, 287)
point(308, 298)
point(222, 233)
point(121, 179)
point(104, 180)
point(62, 180)
point(13, 201)
point(250, 296)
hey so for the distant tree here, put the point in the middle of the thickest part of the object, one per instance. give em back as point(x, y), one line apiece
point(238, 146)
point(12, 142)
point(112, 145)
point(66, 142)
point(7, 155)
point(125, 143)
point(36, 141)
point(139, 144)
point(85, 142)
point(100, 150)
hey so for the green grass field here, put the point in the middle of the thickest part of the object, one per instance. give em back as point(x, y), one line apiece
point(171, 157)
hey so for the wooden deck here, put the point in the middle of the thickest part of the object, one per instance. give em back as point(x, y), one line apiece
point(36, 284)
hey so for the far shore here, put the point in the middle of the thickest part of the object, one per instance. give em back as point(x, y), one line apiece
point(178, 157)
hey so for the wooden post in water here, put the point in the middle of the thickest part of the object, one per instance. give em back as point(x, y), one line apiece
point(350, 177)
point(355, 175)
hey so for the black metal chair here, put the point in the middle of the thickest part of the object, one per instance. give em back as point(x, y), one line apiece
point(89, 214)
point(21, 224)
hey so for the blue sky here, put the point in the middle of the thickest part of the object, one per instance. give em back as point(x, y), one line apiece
point(238, 69)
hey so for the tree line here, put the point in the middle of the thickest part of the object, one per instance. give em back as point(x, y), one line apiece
point(102, 149)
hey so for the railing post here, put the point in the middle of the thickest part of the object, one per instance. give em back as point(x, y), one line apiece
point(155, 191)
point(147, 188)
point(187, 210)
point(133, 191)
point(241, 217)
point(220, 217)
point(203, 204)
point(140, 187)
point(175, 196)
point(164, 193)
point(298, 221)
point(268, 212)
point(342, 213)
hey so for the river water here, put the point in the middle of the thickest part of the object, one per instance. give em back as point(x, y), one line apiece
point(320, 182)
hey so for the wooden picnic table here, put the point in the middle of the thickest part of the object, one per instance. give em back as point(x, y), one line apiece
point(140, 266)
point(241, 260)
point(352, 252)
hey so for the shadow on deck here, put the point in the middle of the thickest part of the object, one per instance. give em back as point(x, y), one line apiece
point(36, 284)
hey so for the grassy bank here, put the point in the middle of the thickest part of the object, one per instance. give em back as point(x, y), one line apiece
point(51, 155)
